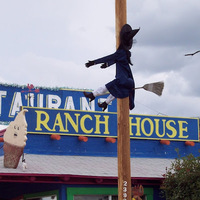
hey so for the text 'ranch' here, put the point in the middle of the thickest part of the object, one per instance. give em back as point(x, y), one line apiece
point(105, 124)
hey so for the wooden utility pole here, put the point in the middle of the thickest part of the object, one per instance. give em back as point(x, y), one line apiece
point(123, 148)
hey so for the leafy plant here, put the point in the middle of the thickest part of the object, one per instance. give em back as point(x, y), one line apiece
point(182, 180)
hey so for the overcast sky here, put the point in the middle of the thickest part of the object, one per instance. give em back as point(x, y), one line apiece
point(47, 42)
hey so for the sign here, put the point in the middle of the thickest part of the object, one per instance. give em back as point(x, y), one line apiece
point(102, 124)
point(12, 97)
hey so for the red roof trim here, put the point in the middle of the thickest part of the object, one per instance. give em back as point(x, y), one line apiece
point(73, 179)
point(2, 131)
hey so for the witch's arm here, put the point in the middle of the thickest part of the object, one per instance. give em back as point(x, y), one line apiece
point(107, 60)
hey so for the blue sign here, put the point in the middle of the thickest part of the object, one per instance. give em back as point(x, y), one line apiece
point(102, 124)
point(13, 97)
point(68, 112)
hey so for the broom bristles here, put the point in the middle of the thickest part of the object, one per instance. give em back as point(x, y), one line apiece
point(156, 88)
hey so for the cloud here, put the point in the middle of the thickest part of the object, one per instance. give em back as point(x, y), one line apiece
point(166, 22)
point(47, 43)
point(51, 72)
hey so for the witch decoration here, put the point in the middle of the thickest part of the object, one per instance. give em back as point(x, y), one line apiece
point(123, 84)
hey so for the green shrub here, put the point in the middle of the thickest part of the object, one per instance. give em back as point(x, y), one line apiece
point(182, 180)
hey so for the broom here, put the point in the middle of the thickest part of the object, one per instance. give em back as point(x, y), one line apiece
point(156, 87)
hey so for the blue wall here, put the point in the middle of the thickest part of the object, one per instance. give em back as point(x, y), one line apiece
point(70, 145)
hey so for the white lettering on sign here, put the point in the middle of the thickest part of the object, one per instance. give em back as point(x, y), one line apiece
point(85, 105)
point(2, 95)
point(40, 98)
point(69, 103)
point(53, 101)
point(16, 104)
point(30, 99)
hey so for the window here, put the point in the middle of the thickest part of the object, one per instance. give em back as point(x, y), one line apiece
point(53, 197)
point(50, 195)
point(92, 197)
point(100, 193)
point(99, 197)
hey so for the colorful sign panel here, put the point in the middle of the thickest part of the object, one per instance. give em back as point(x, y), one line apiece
point(68, 112)
point(102, 124)
point(12, 97)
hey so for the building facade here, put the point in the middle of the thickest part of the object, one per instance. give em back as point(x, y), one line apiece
point(71, 151)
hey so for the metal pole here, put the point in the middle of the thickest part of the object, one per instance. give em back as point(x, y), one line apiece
point(123, 148)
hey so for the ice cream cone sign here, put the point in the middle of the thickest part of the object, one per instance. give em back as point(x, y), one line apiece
point(15, 140)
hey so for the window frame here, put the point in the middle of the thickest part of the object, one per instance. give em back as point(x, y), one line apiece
point(42, 194)
point(71, 191)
